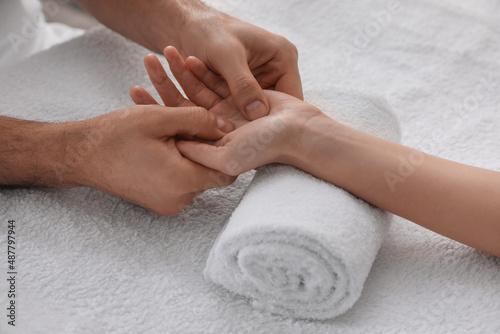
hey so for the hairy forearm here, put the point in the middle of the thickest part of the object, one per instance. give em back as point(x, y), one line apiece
point(154, 24)
point(32, 153)
point(458, 201)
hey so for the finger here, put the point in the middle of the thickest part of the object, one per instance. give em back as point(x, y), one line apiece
point(141, 96)
point(208, 178)
point(214, 82)
point(288, 83)
point(192, 122)
point(291, 84)
point(193, 88)
point(169, 94)
point(245, 89)
point(210, 156)
point(225, 125)
point(198, 177)
point(203, 178)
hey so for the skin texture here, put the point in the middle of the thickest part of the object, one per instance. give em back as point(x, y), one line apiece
point(249, 58)
point(455, 200)
point(130, 153)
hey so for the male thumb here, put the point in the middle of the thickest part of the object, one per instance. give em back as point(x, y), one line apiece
point(244, 88)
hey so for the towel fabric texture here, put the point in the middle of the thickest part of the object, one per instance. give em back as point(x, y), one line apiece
point(91, 263)
point(299, 246)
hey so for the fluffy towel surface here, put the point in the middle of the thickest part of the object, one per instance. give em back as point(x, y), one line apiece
point(90, 263)
point(299, 246)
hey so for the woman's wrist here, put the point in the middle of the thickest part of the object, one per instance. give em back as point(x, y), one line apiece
point(316, 137)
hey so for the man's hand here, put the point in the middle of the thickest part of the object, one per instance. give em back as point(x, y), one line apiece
point(252, 144)
point(249, 58)
point(130, 153)
point(138, 159)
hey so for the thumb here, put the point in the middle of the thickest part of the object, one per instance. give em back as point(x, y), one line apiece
point(244, 88)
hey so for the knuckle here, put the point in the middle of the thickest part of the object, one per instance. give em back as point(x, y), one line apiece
point(294, 50)
point(242, 84)
point(164, 210)
point(230, 179)
point(288, 48)
point(169, 207)
point(184, 185)
point(197, 114)
point(206, 119)
point(193, 111)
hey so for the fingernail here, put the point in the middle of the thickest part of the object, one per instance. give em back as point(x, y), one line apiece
point(220, 122)
point(256, 109)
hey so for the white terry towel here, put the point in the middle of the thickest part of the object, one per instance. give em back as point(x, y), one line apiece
point(299, 246)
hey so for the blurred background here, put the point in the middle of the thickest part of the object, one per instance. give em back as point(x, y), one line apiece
point(70, 13)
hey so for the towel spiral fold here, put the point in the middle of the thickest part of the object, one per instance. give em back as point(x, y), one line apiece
point(299, 246)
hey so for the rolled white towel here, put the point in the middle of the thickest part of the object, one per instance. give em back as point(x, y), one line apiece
point(299, 246)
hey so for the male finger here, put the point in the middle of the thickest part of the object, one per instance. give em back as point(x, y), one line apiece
point(193, 122)
point(281, 77)
point(291, 84)
point(245, 89)
point(207, 77)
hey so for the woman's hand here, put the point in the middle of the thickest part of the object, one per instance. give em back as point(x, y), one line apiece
point(455, 200)
point(251, 144)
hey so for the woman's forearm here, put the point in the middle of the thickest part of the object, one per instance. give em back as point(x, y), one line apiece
point(452, 199)
point(153, 24)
